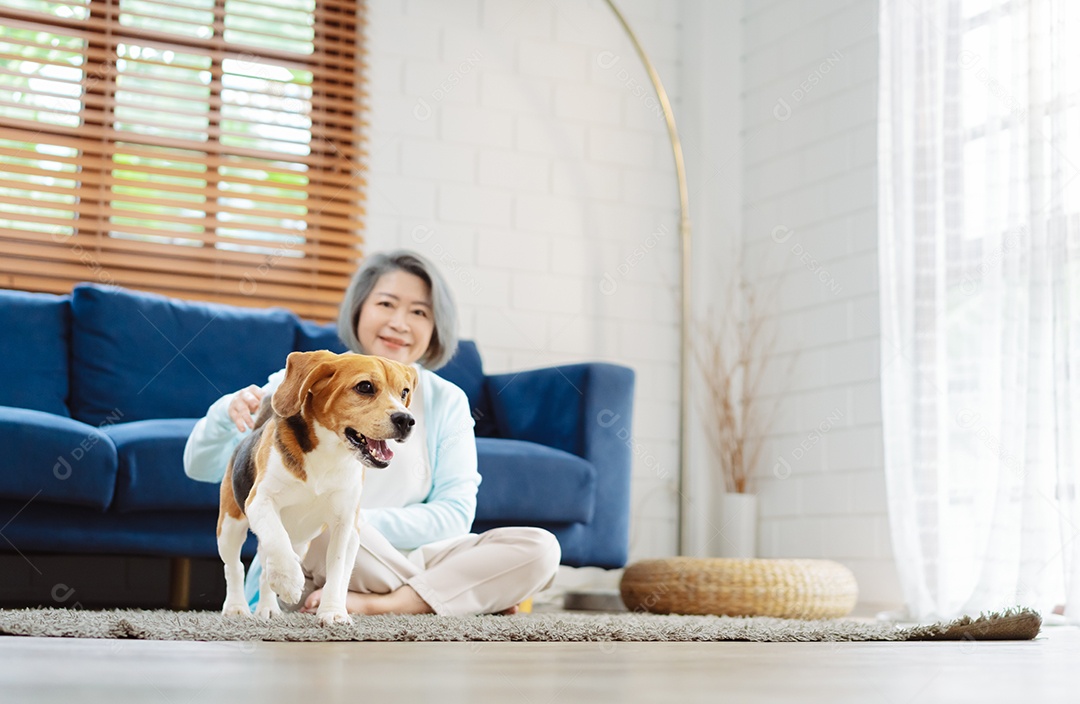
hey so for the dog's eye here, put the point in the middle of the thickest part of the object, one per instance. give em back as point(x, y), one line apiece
point(366, 388)
point(404, 394)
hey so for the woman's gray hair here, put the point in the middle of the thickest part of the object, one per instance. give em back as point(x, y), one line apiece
point(444, 338)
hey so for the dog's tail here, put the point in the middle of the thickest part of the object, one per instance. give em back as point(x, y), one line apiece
point(265, 413)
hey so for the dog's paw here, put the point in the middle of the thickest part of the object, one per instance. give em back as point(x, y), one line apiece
point(267, 611)
point(237, 609)
point(332, 618)
point(286, 579)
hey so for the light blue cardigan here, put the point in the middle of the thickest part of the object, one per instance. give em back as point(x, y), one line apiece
point(450, 506)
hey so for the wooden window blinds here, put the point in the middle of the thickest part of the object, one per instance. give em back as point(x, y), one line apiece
point(205, 149)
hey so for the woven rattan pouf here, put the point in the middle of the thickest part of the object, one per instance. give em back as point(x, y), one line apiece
point(804, 589)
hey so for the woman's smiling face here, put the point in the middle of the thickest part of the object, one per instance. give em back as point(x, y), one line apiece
point(396, 319)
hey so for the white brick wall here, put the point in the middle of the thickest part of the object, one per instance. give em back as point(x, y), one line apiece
point(528, 169)
point(809, 130)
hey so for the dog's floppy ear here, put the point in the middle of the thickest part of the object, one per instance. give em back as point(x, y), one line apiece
point(414, 379)
point(303, 370)
point(405, 374)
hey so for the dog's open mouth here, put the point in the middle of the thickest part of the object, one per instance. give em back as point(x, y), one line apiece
point(374, 452)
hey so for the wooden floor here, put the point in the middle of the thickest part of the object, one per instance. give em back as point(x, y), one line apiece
point(35, 670)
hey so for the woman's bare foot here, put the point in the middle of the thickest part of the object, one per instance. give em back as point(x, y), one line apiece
point(403, 600)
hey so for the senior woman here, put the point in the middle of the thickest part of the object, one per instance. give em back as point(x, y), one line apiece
point(416, 552)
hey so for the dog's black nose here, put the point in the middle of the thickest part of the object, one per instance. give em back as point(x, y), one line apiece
point(404, 423)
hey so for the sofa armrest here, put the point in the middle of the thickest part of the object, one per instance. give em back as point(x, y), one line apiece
point(51, 458)
point(584, 409)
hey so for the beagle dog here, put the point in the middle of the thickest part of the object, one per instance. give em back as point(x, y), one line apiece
point(301, 471)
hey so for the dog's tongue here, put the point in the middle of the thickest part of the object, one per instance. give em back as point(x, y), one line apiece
point(379, 450)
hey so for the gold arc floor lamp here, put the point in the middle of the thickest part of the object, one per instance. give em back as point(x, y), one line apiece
point(686, 312)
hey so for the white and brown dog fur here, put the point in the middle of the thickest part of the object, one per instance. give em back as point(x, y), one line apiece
point(301, 471)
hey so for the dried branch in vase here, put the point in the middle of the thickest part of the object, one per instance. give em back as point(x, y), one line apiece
point(733, 351)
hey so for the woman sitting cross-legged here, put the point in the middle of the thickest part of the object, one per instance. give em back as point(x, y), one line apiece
point(416, 552)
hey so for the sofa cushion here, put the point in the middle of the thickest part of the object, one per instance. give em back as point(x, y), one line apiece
point(51, 458)
point(146, 356)
point(531, 483)
point(466, 371)
point(312, 336)
point(34, 334)
point(151, 475)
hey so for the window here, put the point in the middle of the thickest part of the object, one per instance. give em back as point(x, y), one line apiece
point(203, 149)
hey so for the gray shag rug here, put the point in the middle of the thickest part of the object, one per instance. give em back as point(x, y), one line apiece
point(1014, 624)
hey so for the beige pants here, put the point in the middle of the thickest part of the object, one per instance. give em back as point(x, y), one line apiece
point(473, 574)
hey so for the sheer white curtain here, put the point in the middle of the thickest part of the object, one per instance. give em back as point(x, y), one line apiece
point(980, 301)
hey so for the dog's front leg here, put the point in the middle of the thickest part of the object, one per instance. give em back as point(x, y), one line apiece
point(268, 606)
point(281, 565)
point(231, 535)
point(340, 559)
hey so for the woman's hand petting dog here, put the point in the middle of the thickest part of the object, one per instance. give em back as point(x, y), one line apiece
point(244, 403)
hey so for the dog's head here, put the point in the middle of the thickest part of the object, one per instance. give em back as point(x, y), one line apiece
point(361, 399)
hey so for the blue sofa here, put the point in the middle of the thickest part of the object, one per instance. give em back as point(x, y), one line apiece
point(100, 389)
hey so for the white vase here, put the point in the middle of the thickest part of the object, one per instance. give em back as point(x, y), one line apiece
point(738, 526)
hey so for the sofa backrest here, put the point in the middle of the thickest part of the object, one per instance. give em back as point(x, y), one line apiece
point(137, 356)
point(34, 334)
point(466, 370)
point(312, 336)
